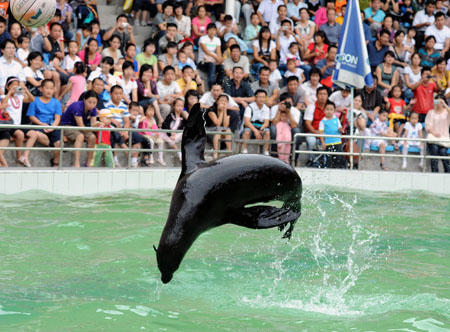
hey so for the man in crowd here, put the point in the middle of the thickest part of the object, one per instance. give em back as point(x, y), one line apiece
point(331, 28)
point(263, 83)
point(236, 60)
point(239, 90)
point(295, 91)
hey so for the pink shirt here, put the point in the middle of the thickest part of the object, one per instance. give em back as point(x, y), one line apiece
point(438, 122)
point(320, 17)
point(283, 131)
point(78, 87)
point(201, 27)
point(96, 61)
point(144, 125)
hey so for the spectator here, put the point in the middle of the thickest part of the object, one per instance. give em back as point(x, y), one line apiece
point(318, 50)
point(252, 30)
point(123, 30)
point(305, 28)
point(174, 121)
point(33, 74)
point(374, 15)
point(372, 100)
point(147, 91)
point(264, 49)
point(285, 37)
point(437, 123)
point(200, 24)
point(239, 90)
point(171, 35)
point(263, 83)
point(82, 35)
point(257, 122)
point(183, 22)
point(320, 17)
point(401, 51)
point(217, 119)
point(113, 51)
point(8, 66)
point(441, 77)
point(275, 23)
point(331, 28)
point(310, 87)
point(387, 25)
point(130, 55)
point(12, 103)
point(366, 28)
point(275, 75)
point(190, 81)
point(387, 73)
point(76, 84)
point(147, 56)
point(330, 125)
point(150, 138)
point(98, 86)
point(284, 137)
point(378, 48)
point(380, 128)
point(104, 72)
point(429, 54)
point(295, 91)
point(46, 111)
point(236, 60)
point(441, 32)
point(128, 83)
point(294, 119)
point(71, 58)
point(5, 135)
point(210, 55)
point(313, 115)
point(423, 94)
point(413, 129)
point(81, 114)
point(327, 65)
point(103, 140)
point(422, 20)
point(169, 58)
point(412, 76)
point(168, 90)
point(293, 10)
point(267, 10)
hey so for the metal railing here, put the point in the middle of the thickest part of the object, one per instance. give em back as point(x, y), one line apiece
point(354, 138)
point(62, 148)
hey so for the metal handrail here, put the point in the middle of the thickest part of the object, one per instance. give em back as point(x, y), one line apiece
point(369, 154)
point(130, 149)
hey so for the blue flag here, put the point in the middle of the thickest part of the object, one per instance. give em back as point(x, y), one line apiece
point(352, 60)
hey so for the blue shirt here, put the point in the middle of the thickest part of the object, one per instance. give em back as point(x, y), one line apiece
point(77, 109)
point(377, 17)
point(330, 127)
point(376, 56)
point(45, 112)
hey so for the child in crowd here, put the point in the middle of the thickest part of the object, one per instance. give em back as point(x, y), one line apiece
point(184, 60)
point(275, 75)
point(380, 128)
point(105, 71)
point(413, 129)
point(284, 134)
point(104, 140)
point(397, 107)
point(292, 70)
point(407, 12)
point(71, 58)
point(76, 84)
point(330, 125)
point(409, 42)
point(82, 36)
point(174, 121)
point(147, 56)
point(128, 83)
point(150, 138)
point(23, 50)
point(4, 136)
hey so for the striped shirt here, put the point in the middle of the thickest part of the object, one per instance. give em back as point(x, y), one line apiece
point(119, 112)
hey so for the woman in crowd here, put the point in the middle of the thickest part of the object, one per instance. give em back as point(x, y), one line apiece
point(412, 76)
point(387, 74)
point(219, 120)
point(318, 49)
point(441, 76)
point(264, 49)
point(200, 24)
point(147, 91)
point(305, 28)
point(400, 50)
point(90, 55)
point(114, 51)
point(428, 53)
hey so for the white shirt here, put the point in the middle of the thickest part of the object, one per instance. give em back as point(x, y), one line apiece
point(309, 112)
point(296, 114)
point(22, 54)
point(413, 78)
point(10, 69)
point(128, 87)
point(440, 35)
point(284, 46)
point(413, 132)
point(208, 100)
point(310, 92)
point(421, 18)
point(14, 107)
point(275, 77)
point(68, 63)
point(28, 72)
point(165, 90)
point(211, 45)
point(254, 113)
point(269, 9)
point(111, 79)
point(275, 25)
point(338, 100)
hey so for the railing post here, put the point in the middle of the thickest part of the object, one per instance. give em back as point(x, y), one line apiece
point(61, 149)
point(425, 148)
point(130, 146)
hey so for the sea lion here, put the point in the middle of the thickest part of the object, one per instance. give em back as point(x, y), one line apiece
point(211, 194)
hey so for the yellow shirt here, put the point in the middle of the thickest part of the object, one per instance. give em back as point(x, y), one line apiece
point(182, 84)
point(444, 81)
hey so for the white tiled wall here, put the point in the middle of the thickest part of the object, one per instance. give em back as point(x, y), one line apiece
point(74, 182)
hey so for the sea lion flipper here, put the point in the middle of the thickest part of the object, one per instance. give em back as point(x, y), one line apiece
point(262, 217)
point(194, 141)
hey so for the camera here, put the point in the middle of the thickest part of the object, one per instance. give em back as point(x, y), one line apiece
point(287, 104)
point(124, 24)
point(284, 27)
point(429, 76)
point(19, 90)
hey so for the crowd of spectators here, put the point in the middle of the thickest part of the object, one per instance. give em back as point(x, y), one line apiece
point(267, 74)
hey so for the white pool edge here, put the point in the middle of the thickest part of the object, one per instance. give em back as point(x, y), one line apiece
point(74, 182)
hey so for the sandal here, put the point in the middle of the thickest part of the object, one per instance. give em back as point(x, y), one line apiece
point(384, 168)
point(23, 161)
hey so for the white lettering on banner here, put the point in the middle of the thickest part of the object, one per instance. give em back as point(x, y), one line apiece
point(348, 59)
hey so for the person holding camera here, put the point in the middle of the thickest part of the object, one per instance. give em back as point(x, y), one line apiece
point(123, 30)
point(423, 94)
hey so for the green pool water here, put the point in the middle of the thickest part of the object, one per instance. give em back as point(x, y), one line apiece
point(358, 261)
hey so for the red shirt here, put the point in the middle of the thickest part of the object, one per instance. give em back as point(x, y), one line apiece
point(424, 98)
point(319, 114)
point(396, 106)
point(104, 136)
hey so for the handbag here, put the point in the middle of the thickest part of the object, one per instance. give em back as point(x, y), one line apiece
point(445, 142)
point(128, 6)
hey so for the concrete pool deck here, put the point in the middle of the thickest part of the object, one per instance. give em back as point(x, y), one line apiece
point(73, 182)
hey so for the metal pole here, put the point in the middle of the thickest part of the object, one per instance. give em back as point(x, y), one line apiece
point(229, 9)
point(351, 126)
point(130, 146)
point(61, 149)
